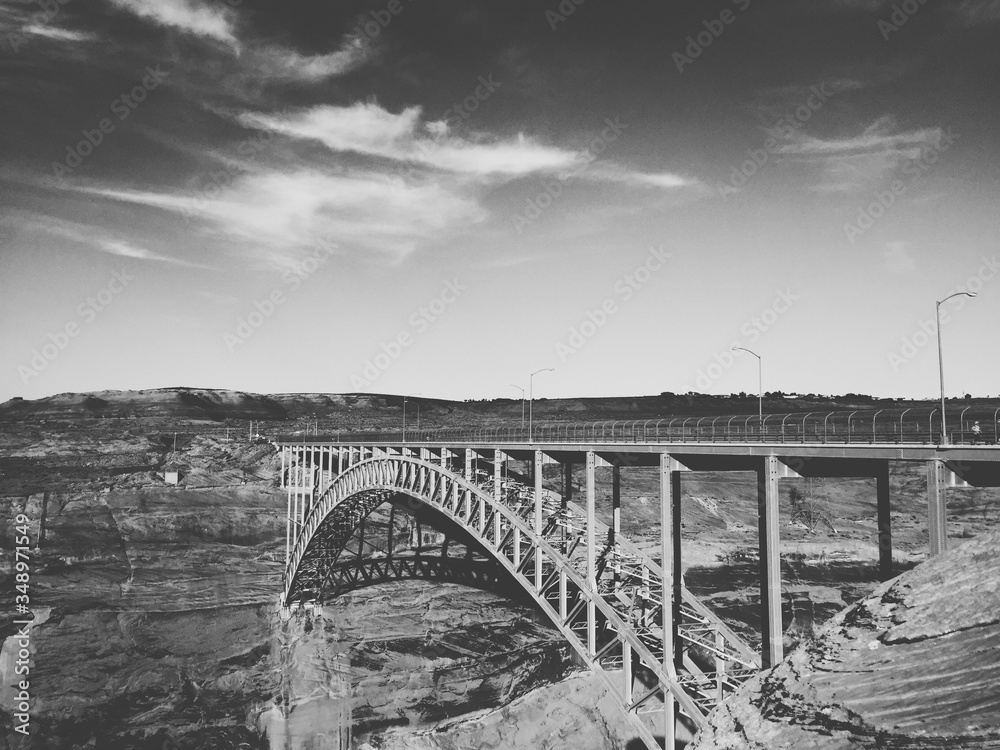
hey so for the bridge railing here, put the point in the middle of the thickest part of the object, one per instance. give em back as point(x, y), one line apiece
point(965, 425)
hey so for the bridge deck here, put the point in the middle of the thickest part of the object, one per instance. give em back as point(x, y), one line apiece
point(877, 451)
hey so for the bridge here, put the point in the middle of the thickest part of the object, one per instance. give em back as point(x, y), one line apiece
point(628, 615)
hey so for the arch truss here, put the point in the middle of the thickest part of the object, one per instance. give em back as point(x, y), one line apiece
point(630, 619)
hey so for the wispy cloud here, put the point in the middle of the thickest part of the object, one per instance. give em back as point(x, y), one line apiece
point(57, 33)
point(213, 21)
point(867, 157)
point(390, 183)
point(282, 64)
point(367, 128)
point(610, 172)
point(876, 138)
point(276, 216)
point(128, 250)
point(95, 238)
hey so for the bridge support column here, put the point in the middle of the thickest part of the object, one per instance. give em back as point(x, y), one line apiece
point(286, 456)
point(677, 579)
point(538, 519)
point(666, 590)
point(295, 489)
point(937, 508)
point(884, 523)
point(591, 554)
point(497, 494)
point(772, 645)
point(616, 520)
point(567, 497)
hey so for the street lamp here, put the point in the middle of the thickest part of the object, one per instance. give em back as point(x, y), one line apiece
point(531, 395)
point(937, 310)
point(522, 401)
point(760, 387)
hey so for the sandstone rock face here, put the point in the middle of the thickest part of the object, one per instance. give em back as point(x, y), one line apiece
point(914, 665)
point(576, 713)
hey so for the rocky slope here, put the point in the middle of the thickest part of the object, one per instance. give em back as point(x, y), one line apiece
point(576, 713)
point(914, 665)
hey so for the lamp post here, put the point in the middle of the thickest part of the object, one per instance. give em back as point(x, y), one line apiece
point(522, 401)
point(531, 396)
point(937, 312)
point(760, 388)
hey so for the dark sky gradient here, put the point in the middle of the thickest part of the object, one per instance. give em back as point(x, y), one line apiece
point(279, 137)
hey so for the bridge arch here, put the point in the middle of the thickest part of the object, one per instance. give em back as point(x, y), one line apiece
point(617, 630)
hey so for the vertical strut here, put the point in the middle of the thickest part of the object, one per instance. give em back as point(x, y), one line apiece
point(884, 522)
point(616, 518)
point(772, 648)
point(677, 577)
point(937, 510)
point(286, 454)
point(538, 519)
point(591, 556)
point(567, 497)
point(666, 610)
point(497, 487)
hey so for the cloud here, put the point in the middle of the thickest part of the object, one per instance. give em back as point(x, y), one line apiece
point(127, 250)
point(281, 64)
point(209, 21)
point(609, 172)
point(877, 137)
point(859, 160)
point(57, 34)
point(416, 184)
point(95, 238)
point(897, 258)
point(367, 128)
point(278, 217)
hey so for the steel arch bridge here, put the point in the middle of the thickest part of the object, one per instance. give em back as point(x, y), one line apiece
point(604, 595)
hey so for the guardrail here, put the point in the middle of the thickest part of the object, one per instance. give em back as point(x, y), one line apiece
point(909, 426)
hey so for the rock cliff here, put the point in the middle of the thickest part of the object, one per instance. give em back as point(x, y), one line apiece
point(916, 664)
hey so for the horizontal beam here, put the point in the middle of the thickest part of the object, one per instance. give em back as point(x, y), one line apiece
point(646, 454)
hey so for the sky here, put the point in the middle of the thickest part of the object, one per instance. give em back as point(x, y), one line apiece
point(441, 197)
